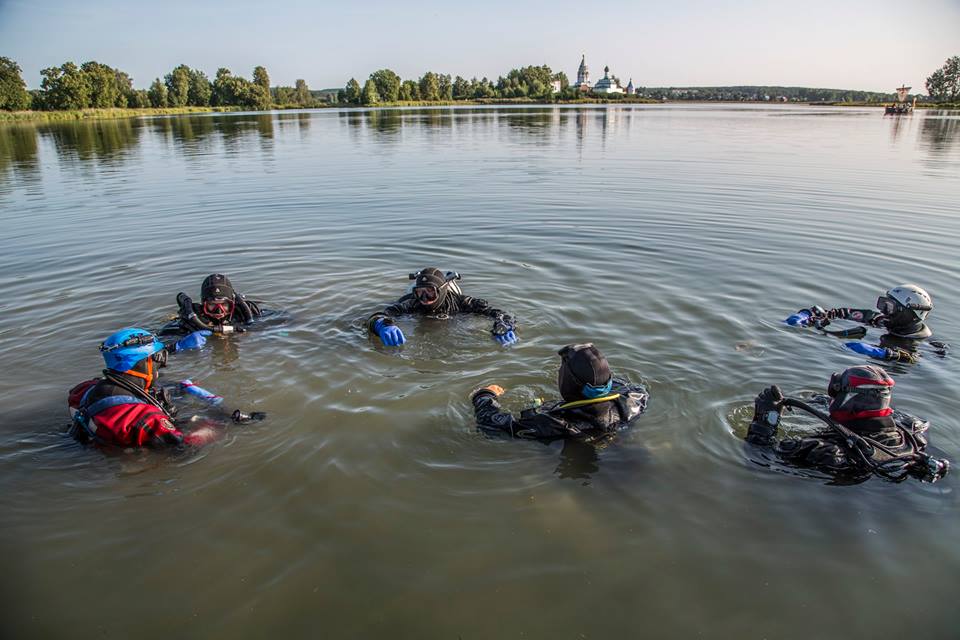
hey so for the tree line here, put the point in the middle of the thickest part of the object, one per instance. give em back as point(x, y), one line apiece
point(533, 82)
point(96, 85)
point(93, 85)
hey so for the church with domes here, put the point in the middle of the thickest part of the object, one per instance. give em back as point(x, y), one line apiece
point(605, 86)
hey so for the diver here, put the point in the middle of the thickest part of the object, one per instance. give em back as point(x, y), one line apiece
point(901, 311)
point(220, 310)
point(594, 404)
point(437, 295)
point(126, 407)
point(864, 434)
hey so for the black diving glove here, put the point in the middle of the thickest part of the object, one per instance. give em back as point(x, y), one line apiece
point(254, 416)
point(767, 408)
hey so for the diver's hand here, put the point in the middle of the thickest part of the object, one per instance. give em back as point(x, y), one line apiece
point(902, 355)
point(194, 340)
point(767, 407)
point(390, 334)
point(504, 332)
point(492, 389)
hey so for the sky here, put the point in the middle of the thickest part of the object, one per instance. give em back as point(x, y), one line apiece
point(846, 44)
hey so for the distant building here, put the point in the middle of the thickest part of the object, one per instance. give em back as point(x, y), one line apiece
point(583, 75)
point(556, 86)
point(607, 85)
point(630, 89)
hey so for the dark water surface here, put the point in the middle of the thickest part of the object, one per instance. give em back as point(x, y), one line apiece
point(674, 237)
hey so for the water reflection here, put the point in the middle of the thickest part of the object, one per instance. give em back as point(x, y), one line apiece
point(940, 132)
point(18, 152)
point(579, 460)
point(103, 141)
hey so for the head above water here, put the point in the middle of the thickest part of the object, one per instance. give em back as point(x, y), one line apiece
point(134, 352)
point(430, 286)
point(584, 373)
point(906, 306)
point(217, 296)
point(861, 395)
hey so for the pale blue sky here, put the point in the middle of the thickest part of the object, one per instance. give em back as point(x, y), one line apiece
point(851, 44)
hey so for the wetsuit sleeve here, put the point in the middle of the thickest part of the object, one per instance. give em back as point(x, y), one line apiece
point(483, 308)
point(156, 430)
point(531, 424)
point(403, 306)
point(863, 316)
point(814, 452)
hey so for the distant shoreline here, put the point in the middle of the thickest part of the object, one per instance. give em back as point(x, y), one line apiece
point(113, 114)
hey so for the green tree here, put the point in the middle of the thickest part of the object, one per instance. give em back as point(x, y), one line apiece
point(139, 99)
point(105, 91)
point(200, 91)
point(157, 94)
point(65, 87)
point(409, 90)
point(178, 86)
point(303, 97)
point(13, 90)
point(261, 87)
point(430, 86)
point(943, 85)
point(352, 92)
point(370, 95)
point(444, 87)
point(284, 96)
point(388, 84)
point(222, 88)
point(461, 89)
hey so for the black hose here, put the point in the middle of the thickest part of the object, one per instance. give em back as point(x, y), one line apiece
point(240, 303)
point(857, 443)
point(189, 317)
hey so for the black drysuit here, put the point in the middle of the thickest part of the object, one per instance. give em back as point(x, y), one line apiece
point(583, 421)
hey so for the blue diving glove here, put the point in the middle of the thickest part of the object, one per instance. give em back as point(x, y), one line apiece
point(194, 340)
point(867, 349)
point(390, 334)
point(804, 317)
point(503, 332)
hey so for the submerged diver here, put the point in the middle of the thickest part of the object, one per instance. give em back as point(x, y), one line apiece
point(865, 434)
point(594, 405)
point(220, 310)
point(901, 311)
point(437, 295)
point(126, 407)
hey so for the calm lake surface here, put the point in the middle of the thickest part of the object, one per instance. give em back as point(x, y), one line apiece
point(674, 237)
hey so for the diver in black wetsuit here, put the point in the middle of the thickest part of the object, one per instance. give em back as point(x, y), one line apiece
point(437, 295)
point(594, 405)
point(902, 312)
point(865, 434)
point(221, 309)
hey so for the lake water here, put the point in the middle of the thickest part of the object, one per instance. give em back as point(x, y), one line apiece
point(367, 506)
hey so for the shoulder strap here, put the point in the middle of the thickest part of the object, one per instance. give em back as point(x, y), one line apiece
point(110, 401)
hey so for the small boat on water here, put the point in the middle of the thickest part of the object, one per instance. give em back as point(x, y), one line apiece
point(901, 107)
